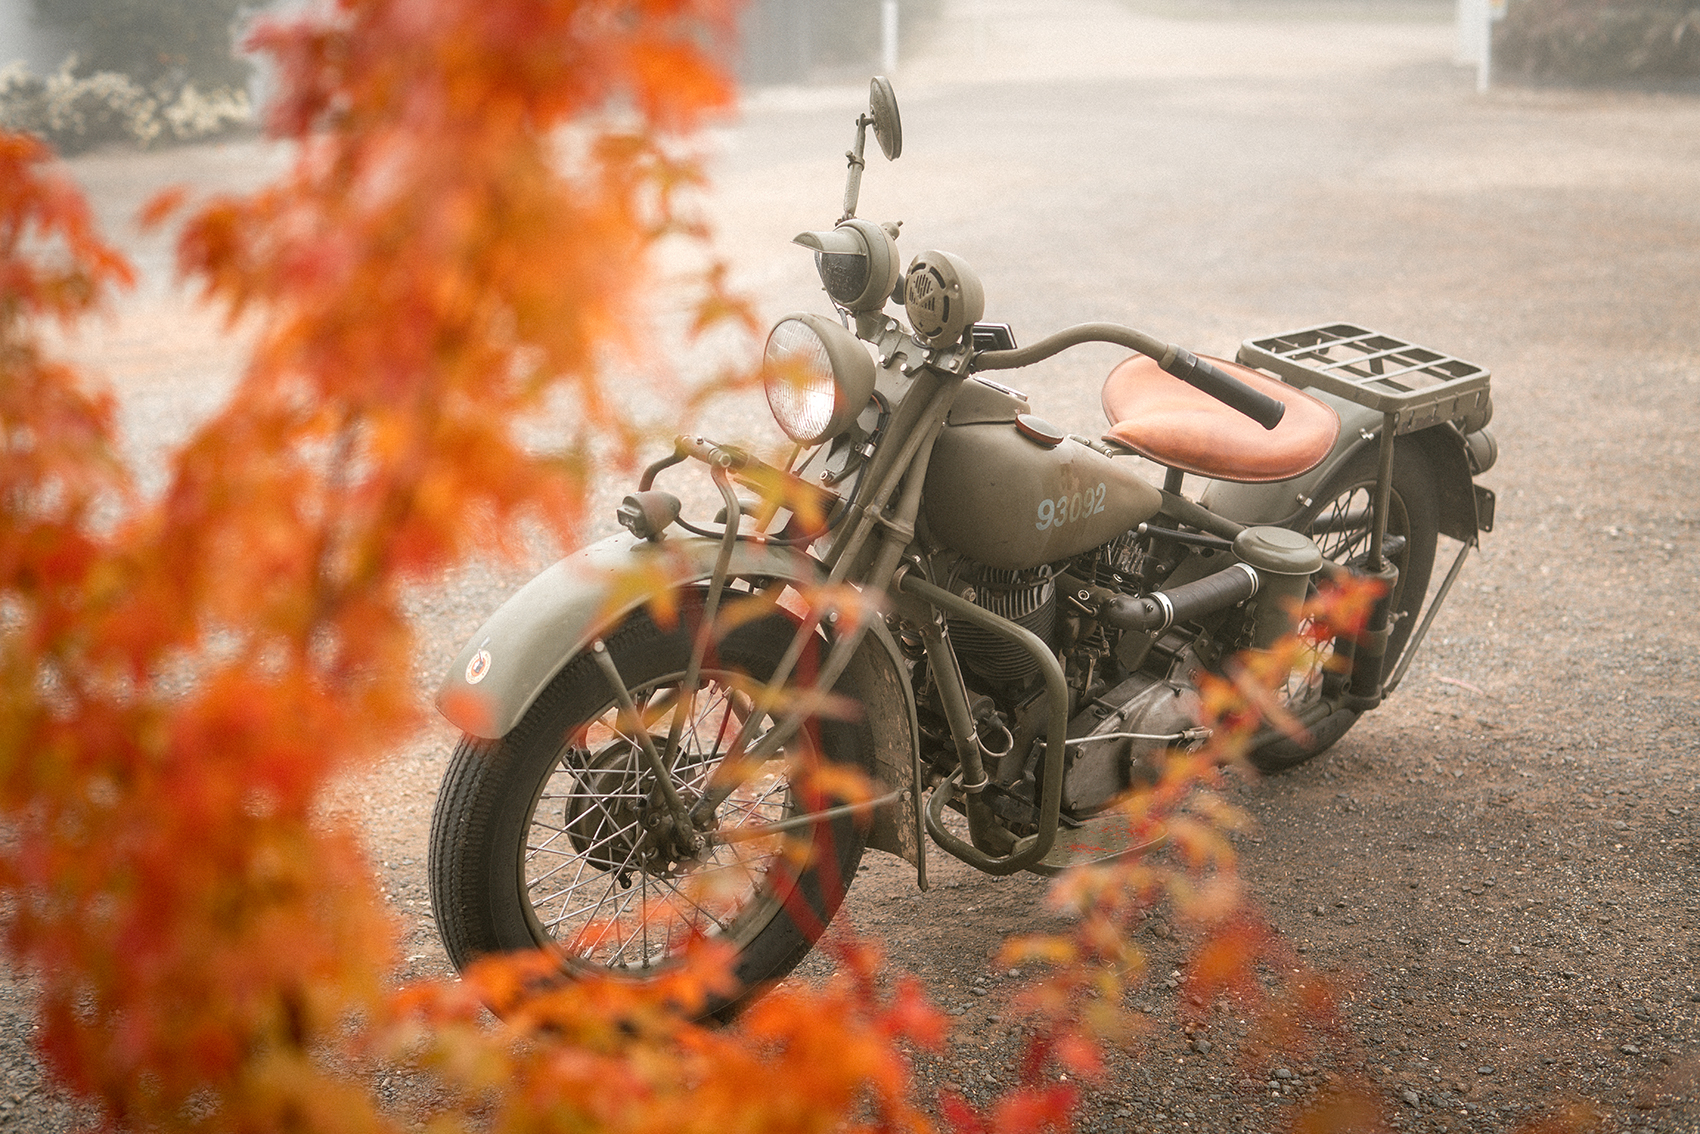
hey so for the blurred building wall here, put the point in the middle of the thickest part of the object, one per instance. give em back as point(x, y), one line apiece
point(781, 41)
point(21, 40)
point(794, 41)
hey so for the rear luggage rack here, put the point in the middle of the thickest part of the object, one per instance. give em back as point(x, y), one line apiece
point(1419, 387)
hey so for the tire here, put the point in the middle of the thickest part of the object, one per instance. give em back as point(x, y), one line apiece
point(535, 838)
point(1414, 513)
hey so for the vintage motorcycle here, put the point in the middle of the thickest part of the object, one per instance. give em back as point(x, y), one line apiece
point(975, 610)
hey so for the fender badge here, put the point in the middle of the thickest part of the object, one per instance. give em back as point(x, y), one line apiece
point(478, 667)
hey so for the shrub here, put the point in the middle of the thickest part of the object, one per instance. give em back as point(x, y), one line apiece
point(150, 40)
point(76, 114)
point(1592, 41)
point(143, 71)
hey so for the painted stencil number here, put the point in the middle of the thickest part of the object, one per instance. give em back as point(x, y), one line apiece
point(1072, 508)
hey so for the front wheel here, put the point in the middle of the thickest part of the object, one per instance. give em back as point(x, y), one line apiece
point(1339, 522)
point(558, 835)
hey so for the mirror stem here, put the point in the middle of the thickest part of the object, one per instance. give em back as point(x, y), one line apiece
point(853, 180)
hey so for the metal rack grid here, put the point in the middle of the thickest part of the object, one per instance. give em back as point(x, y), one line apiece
point(1419, 386)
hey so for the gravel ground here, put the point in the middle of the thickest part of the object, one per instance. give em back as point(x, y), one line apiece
point(1499, 870)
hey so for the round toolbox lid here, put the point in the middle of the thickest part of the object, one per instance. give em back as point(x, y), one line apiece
point(1278, 551)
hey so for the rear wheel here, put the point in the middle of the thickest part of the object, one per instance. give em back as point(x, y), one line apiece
point(1339, 522)
point(557, 835)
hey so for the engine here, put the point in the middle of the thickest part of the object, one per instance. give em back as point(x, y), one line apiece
point(1027, 598)
point(1121, 711)
point(1119, 736)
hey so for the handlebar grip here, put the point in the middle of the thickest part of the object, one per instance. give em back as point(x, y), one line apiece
point(1225, 388)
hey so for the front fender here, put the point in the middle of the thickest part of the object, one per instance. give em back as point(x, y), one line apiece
point(523, 645)
point(546, 623)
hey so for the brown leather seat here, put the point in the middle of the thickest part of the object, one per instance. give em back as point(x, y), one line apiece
point(1158, 416)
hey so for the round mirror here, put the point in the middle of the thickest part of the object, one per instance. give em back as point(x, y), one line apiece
point(882, 108)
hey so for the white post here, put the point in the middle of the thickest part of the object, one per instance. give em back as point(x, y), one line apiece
point(888, 35)
point(1467, 40)
point(1492, 12)
point(1484, 61)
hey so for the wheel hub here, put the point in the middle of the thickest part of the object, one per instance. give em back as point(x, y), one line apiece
point(617, 824)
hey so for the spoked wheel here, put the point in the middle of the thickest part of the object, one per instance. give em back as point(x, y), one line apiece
point(1340, 523)
point(560, 835)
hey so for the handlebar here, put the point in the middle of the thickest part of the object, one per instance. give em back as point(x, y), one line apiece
point(777, 487)
point(1183, 364)
point(1225, 388)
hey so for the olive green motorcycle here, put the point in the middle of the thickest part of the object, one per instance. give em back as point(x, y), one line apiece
point(995, 624)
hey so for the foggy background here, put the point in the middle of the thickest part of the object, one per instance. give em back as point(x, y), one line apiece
point(1212, 171)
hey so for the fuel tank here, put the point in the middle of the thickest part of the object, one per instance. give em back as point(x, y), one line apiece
point(1010, 490)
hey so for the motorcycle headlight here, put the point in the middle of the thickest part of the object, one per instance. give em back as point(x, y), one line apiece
point(817, 376)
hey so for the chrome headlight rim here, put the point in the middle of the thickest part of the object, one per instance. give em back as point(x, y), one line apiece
point(817, 377)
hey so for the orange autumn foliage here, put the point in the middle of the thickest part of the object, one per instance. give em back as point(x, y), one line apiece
point(602, 1054)
point(456, 245)
point(457, 241)
point(185, 677)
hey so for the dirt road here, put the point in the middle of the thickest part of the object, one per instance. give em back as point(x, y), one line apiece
point(1501, 868)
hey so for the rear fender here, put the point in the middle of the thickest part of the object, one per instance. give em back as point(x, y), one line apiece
point(1282, 503)
point(549, 621)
